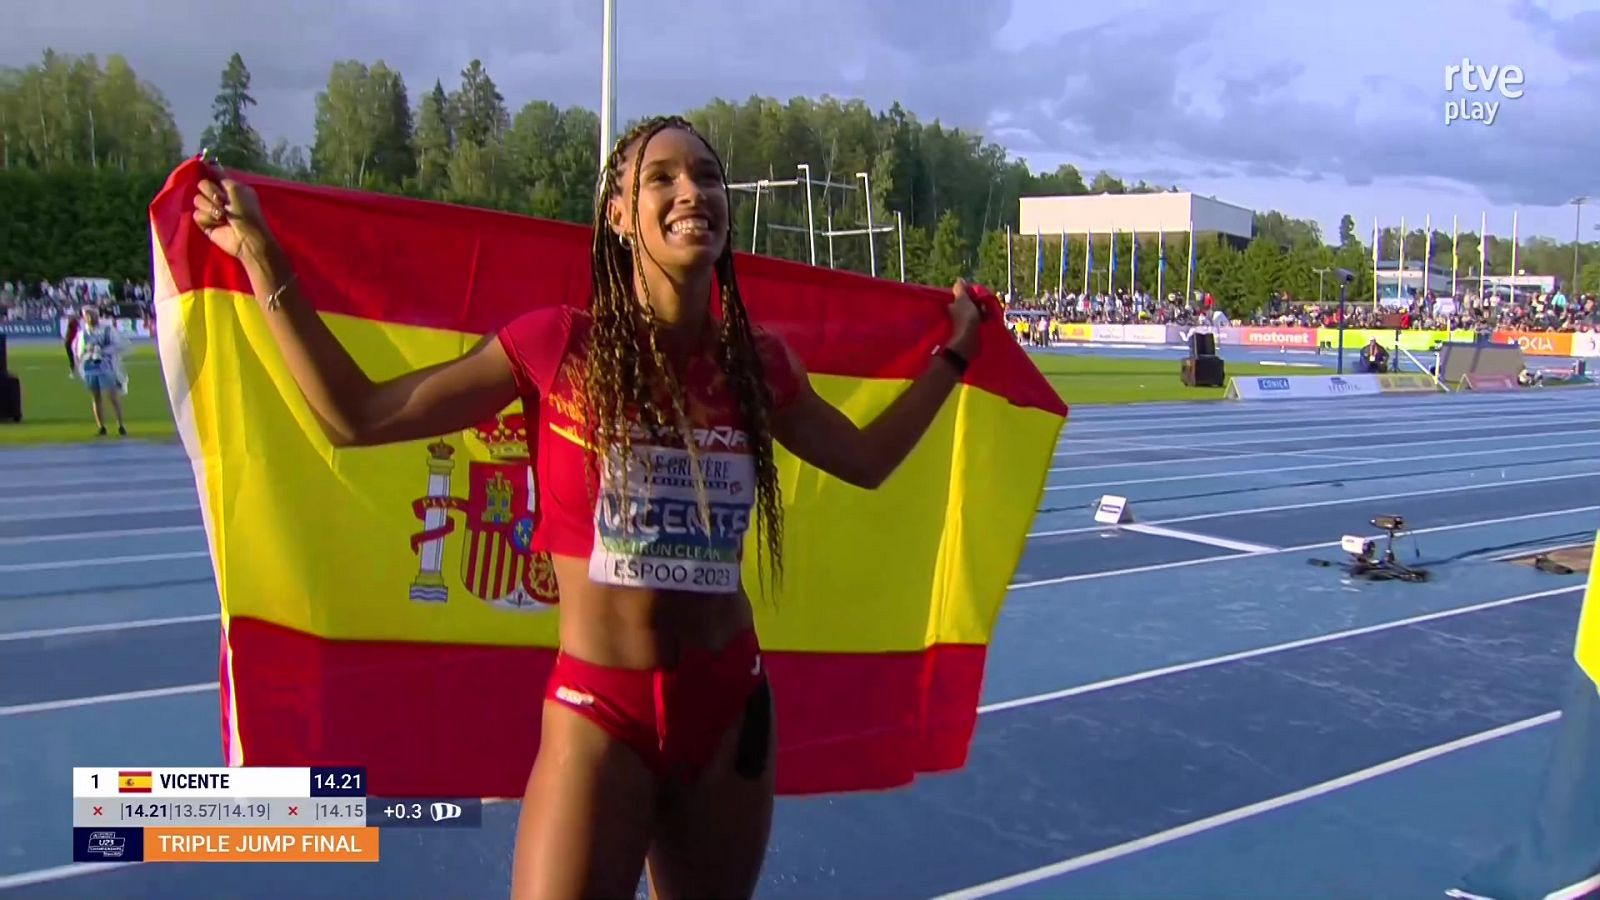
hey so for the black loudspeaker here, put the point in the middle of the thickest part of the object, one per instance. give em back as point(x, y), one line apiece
point(3, 368)
point(10, 398)
point(1203, 371)
point(1202, 343)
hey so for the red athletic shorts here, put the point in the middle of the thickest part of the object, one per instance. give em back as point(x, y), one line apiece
point(674, 718)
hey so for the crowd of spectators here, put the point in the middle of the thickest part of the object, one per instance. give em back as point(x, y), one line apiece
point(1121, 308)
point(1537, 312)
point(49, 301)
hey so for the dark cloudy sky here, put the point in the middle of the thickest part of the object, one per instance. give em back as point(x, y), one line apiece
point(1313, 109)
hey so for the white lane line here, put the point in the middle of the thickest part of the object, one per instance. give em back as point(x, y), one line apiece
point(106, 495)
point(1521, 440)
point(1209, 823)
point(1157, 567)
point(1137, 677)
point(178, 473)
point(102, 561)
point(98, 513)
point(1287, 435)
point(1188, 416)
point(1196, 537)
point(1575, 891)
point(101, 627)
point(1508, 482)
point(1536, 551)
point(98, 699)
point(82, 535)
point(1290, 418)
point(1393, 459)
point(54, 873)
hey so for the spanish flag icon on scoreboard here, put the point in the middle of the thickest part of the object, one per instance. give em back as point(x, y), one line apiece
point(133, 782)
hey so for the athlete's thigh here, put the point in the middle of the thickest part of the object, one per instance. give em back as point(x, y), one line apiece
point(587, 816)
point(711, 838)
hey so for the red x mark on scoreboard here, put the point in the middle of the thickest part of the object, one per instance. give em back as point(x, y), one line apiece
point(98, 811)
point(294, 810)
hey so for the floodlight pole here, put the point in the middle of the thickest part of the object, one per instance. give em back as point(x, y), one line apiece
point(608, 80)
point(1343, 291)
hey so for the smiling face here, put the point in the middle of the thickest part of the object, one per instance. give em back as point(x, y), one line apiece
point(682, 222)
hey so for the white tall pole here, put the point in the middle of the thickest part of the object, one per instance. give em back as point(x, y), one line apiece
point(1400, 267)
point(1188, 282)
point(1455, 254)
point(1483, 259)
point(1010, 288)
point(899, 230)
point(1514, 273)
point(1133, 267)
point(872, 240)
point(755, 224)
point(811, 224)
point(1377, 245)
point(608, 80)
point(830, 237)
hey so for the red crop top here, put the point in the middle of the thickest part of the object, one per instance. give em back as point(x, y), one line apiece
point(667, 545)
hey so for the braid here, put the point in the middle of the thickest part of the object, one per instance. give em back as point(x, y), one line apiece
point(741, 358)
point(622, 385)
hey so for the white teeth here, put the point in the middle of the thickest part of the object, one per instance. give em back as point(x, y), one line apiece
point(690, 226)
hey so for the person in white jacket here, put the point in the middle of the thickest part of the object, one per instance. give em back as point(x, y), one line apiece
point(98, 351)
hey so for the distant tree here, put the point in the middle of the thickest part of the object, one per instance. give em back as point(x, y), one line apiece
point(230, 137)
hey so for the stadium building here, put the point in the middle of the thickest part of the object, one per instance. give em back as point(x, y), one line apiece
point(1169, 213)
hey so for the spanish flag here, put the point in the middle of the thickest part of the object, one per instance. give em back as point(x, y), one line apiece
point(380, 605)
point(1557, 854)
point(133, 782)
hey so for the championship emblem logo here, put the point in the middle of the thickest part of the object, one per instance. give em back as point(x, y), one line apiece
point(497, 565)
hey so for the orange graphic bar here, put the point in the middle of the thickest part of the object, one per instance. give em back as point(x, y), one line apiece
point(261, 844)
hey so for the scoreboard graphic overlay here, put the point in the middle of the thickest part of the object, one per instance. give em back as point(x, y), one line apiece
point(245, 814)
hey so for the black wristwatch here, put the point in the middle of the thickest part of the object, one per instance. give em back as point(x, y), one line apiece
point(956, 360)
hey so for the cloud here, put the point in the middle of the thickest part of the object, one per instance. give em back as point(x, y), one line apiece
point(1205, 88)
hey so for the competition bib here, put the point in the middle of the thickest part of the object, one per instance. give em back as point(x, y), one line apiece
point(650, 532)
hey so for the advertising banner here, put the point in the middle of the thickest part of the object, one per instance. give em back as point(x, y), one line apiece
point(29, 328)
point(1179, 334)
point(1283, 338)
point(1145, 334)
point(1538, 343)
point(1301, 387)
point(1407, 383)
point(1073, 331)
point(1586, 343)
point(1412, 340)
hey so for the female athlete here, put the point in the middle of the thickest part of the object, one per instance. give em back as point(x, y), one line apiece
point(655, 451)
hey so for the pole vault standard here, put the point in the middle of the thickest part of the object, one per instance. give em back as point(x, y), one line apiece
point(763, 185)
point(804, 180)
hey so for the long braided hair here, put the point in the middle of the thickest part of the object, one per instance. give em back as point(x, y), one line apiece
point(626, 378)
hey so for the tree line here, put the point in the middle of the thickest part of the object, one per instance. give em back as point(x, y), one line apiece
point(83, 147)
